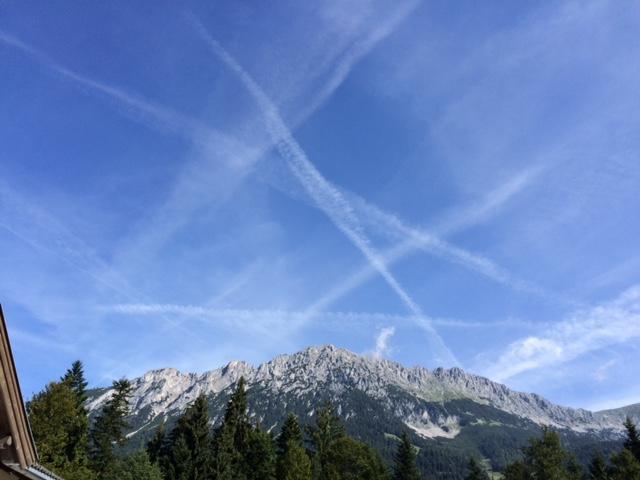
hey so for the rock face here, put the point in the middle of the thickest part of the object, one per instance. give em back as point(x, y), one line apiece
point(415, 396)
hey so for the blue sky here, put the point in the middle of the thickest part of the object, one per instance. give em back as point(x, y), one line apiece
point(435, 183)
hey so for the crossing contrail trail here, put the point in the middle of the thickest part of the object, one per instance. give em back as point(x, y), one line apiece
point(326, 196)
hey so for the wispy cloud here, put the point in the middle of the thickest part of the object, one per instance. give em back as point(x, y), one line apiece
point(328, 198)
point(26, 220)
point(382, 342)
point(584, 331)
point(602, 372)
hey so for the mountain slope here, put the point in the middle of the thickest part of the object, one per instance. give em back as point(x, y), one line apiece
point(449, 412)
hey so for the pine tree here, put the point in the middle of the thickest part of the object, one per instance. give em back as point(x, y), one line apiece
point(624, 466)
point(156, 443)
point(109, 427)
point(293, 462)
point(476, 471)
point(405, 467)
point(598, 469)
point(574, 469)
point(327, 430)
point(290, 432)
point(56, 423)
point(350, 459)
point(79, 436)
point(74, 377)
point(188, 455)
point(260, 458)
point(136, 466)
point(546, 458)
point(517, 471)
point(632, 442)
point(231, 439)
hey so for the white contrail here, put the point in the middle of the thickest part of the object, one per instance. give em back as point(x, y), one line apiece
point(328, 198)
point(466, 218)
point(149, 113)
point(266, 320)
point(157, 116)
point(358, 50)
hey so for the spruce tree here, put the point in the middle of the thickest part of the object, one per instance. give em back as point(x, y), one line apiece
point(293, 461)
point(624, 466)
point(260, 458)
point(156, 443)
point(136, 466)
point(188, 453)
point(295, 464)
point(598, 469)
point(476, 471)
point(349, 459)
point(79, 436)
point(632, 442)
point(517, 471)
point(74, 377)
point(326, 431)
point(546, 458)
point(405, 467)
point(109, 427)
point(231, 439)
point(290, 432)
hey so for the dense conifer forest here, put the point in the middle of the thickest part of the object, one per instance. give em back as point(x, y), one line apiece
point(239, 448)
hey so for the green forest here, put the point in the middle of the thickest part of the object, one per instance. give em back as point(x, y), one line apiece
point(239, 448)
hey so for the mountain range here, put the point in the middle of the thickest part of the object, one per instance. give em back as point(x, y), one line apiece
point(450, 414)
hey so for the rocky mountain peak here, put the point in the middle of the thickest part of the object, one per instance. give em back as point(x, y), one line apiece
point(329, 370)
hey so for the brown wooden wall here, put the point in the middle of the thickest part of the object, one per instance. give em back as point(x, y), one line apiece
point(13, 417)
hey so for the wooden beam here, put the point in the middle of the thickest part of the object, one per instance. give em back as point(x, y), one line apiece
point(14, 409)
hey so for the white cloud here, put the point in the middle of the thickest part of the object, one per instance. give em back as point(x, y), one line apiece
point(584, 331)
point(602, 372)
point(382, 342)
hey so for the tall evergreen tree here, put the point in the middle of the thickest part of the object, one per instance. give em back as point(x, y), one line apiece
point(476, 471)
point(57, 424)
point(260, 457)
point(136, 466)
point(74, 377)
point(327, 430)
point(349, 459)
point(293, 462)
point(156, 443)
point(290, 432)
point(79, 436)
point(109, 427)
point(546, 457)
point(405, 467)
point(598, 469)
point(231, 439)
point(632, 442)
point(188, 455)
point(624, 466)
point(517, 471)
